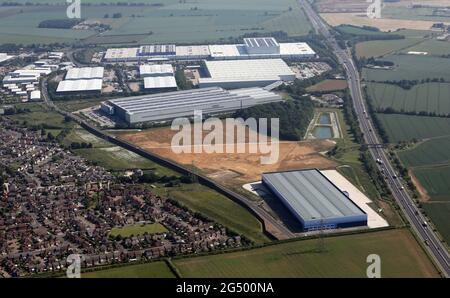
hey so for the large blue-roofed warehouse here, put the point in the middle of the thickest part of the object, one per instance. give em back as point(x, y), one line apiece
point(314, 200)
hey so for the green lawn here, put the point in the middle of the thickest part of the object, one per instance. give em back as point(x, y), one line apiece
point(220, 209)
point(138, 229)
point(344, 256)
point(149, 270)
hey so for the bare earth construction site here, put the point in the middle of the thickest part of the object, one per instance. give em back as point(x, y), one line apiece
point(235, 169)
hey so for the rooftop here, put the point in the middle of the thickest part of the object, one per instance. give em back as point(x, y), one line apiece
point(160, 82)
point(80, 85)
point(258, 42)
point(312, 195)
point(121, 53)
point(85, 73)
point(190, 99)
point(271, 69)
point(192, 51)
point(155, 69)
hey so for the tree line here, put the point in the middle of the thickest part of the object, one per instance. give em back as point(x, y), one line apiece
point(294, 116)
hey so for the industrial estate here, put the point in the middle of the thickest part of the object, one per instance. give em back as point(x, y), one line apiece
point(87, 165)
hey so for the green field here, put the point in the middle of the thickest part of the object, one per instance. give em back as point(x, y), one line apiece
point(415, 40)
point(149, 270)
point(79, 135)
point(355, 30)
point(344, 256)
point(428, 161)
point(78, 104)
point(435, 181)
point(40, 115)
point(433, 47)
point(410, 67)
point(428, 97)
point(378, 48)
point(174, 21)
point(434, 152)
point(218, 208)
point(138, 229)
point(117, 158)
point(406, 128)
point(440, 214)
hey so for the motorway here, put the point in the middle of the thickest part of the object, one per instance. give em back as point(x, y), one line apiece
point(431, 241)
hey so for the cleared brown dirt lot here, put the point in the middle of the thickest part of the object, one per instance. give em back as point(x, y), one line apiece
point(328, 85)
point(238, 167)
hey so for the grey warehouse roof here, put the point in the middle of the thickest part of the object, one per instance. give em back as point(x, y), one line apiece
point(189, 99)
point(311, 195)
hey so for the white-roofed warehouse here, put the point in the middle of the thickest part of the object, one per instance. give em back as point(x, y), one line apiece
point(170, 105)
point(156, 70)
point(85, 73)
point(232, 74)
point(160, 83)
point(93, 85)
point(314, 200)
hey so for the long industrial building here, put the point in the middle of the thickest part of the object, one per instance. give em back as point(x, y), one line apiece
point(167, 106)
point(92, 85)
point(314, 200)
point(85, 73)
point(231, 74)
point(252, 48)
point(156, 70)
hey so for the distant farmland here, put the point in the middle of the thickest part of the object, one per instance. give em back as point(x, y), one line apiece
point(432, 47)
point(440, 213)
point(174, 21)
point(410, 67)
point(434, 152)
point(428, 161)
point(406, 128)
point(377, 48)
point(344, 256)
point(435, 181)
point(429, 97)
